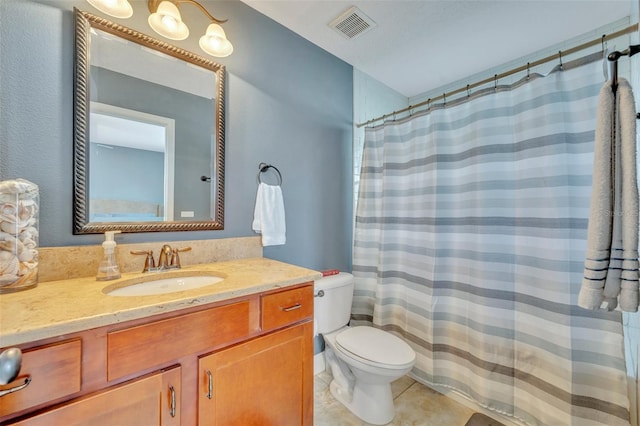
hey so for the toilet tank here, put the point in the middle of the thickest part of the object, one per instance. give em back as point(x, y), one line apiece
point(332, 310)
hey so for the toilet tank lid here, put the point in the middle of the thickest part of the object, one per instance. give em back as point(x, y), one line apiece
point(333, 281)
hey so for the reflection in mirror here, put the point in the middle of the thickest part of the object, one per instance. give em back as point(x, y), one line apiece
point(152, 155)
point(141, 148)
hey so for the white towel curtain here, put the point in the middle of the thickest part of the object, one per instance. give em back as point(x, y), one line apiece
point(611, 265)
point(470, 241)
point(268, 215)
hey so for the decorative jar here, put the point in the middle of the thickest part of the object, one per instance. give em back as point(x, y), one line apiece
point(19, 208)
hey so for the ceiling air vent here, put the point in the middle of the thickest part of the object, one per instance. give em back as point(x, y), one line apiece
point(352, 23)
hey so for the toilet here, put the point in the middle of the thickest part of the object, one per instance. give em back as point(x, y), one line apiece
point(363, 360)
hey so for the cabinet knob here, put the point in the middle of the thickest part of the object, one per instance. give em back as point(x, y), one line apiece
point(10, 363)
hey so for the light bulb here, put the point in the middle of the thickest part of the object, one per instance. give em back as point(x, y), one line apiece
point(214, 43)
point(169, 22)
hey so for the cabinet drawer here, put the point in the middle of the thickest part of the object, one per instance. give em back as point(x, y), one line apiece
point(287, 307)
point(55, 372)
point(150, 345)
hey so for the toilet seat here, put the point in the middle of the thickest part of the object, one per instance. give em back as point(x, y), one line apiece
point(375, 347)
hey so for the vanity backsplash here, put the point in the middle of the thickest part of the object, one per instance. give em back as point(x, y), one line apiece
point(60, 263)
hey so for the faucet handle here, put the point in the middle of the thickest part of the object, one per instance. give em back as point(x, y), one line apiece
point(175, 258)
point(149, 263)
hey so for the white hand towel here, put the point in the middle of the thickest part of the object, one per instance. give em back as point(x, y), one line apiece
point(611, 266)
point(268, 215)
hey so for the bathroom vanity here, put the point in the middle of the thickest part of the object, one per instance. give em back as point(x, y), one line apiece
point(237, 352)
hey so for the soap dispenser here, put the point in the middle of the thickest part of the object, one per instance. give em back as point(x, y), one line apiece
point(109, 269)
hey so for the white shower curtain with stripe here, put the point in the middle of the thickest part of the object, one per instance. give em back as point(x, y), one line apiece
point(469, 242)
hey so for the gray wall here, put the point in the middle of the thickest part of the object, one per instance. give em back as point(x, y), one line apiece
point(289, 103)
point(122, 173)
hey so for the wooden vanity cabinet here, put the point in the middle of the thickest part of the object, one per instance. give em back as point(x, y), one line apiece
point(247, 361)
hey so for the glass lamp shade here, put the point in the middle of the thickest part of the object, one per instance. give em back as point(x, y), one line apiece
point(167, 22)
point(116, 8)
point(215, 42)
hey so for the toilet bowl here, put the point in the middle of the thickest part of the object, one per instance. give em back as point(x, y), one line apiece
point(374, 359)
point(363, 360)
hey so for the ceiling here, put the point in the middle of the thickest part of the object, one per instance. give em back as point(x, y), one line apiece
point(418, 46)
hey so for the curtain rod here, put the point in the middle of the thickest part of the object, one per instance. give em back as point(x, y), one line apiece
point(496, 77)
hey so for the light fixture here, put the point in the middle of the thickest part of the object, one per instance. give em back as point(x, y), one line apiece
point(117, 8)
point(165, 20)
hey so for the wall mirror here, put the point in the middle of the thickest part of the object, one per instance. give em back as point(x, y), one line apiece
point(148, 133)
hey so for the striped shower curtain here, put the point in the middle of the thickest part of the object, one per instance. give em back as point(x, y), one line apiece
point(469, 242)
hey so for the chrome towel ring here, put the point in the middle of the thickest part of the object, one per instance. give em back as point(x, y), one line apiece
point(264, 167)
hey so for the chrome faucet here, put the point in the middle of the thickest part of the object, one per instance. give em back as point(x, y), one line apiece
point(168, 258)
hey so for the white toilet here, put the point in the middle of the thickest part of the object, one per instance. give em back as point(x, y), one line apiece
point(363, 360)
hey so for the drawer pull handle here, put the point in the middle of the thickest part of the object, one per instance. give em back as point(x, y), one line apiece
point(320, 293)
point(210, 386)
point(292, 308)
point(172, 392)
point(16, 388)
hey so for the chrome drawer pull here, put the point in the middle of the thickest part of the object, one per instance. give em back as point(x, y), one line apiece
point(17, 388)
point(320, 293)
point(10, 363)
point(210, 389)
point(292, 308)
point(172, 391)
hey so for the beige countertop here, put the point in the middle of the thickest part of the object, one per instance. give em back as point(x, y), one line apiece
point(56, 308)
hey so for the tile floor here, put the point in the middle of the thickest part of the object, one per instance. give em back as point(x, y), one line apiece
point(416, 405)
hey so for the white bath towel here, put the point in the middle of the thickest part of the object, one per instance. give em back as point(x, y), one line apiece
point(611, 265)
point(268, 215)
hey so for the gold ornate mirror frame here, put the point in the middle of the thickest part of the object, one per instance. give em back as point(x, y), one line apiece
point(81, 224)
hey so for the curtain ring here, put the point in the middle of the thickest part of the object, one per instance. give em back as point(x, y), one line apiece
point(468, 94)
point(560, 56)
point(428, 104)
point(495, 82)
point(444, 99)
point(528, 71)
point(410, 110)
point(602, 42)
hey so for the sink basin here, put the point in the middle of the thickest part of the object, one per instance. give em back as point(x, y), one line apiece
point(162, 285)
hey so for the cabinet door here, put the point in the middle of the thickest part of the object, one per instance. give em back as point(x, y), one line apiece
point(266, 381)
point(146, 401)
